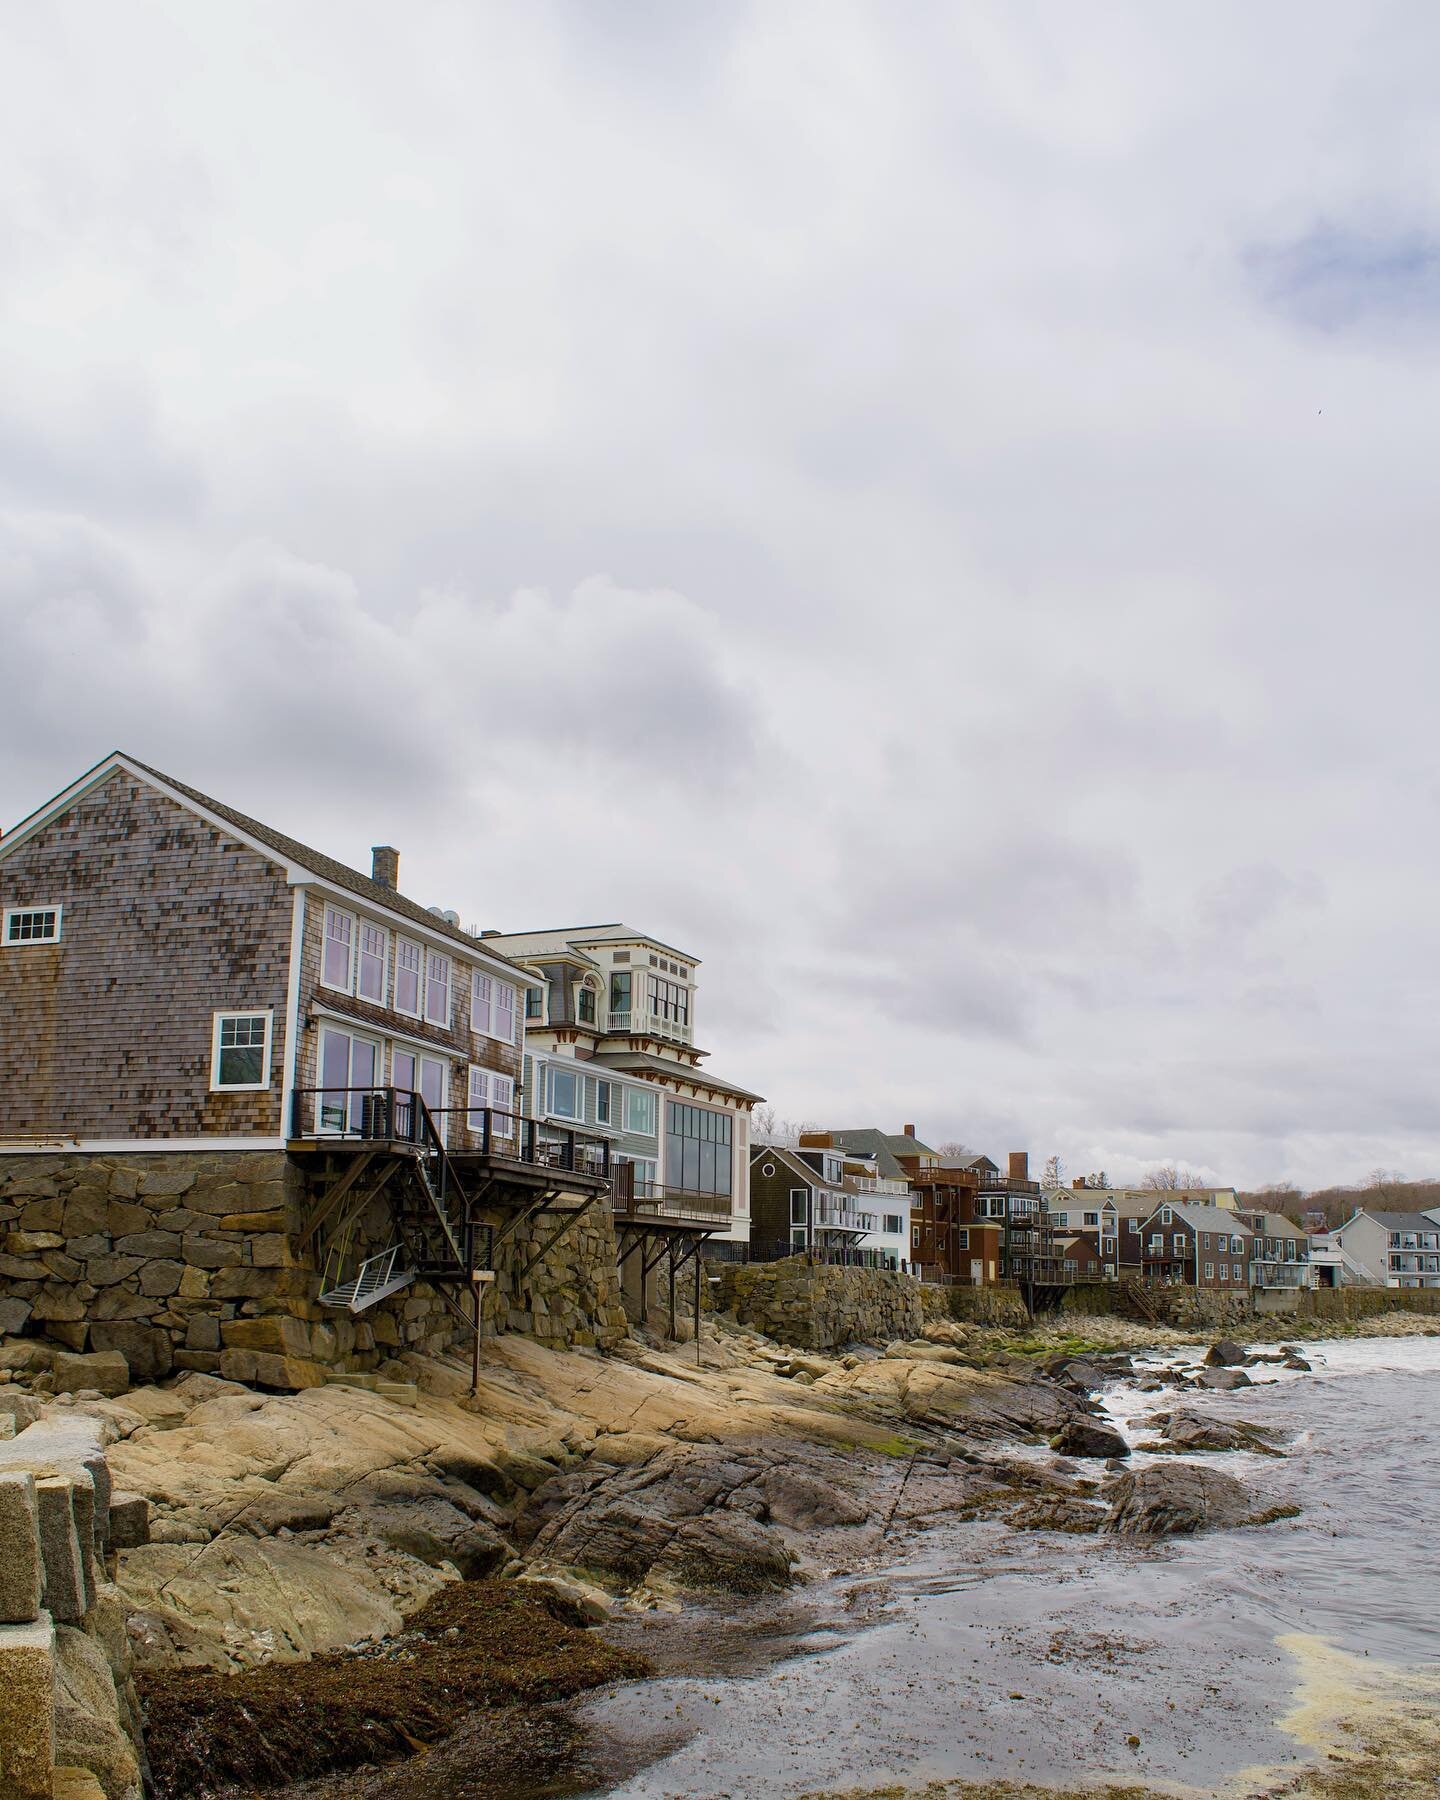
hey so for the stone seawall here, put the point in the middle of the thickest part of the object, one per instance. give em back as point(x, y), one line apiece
point(819, 1308)
point(192, 1261)
point(1187, 1308)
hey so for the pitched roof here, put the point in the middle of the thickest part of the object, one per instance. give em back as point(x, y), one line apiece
point(1273, 1224)
point(884, 1146)
point(1204, 1218)
point(318, 863)
point(286, 849)
point(1396, 1221)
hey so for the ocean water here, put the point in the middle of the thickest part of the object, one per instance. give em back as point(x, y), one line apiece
point(1053, 1658)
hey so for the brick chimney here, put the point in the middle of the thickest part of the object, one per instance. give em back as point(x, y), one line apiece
point(1019, 1165)
point(908, 1130)
point(385, 865)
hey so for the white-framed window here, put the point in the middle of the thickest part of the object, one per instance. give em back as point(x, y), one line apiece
point(914, 1237)
point(534, 1003)
point(603, 1092)
point(240, 1051)
point(641, 1112)
point(1237, 1272)
point(1164, 1215)
point(502, 1102)
point(31, 925)
point(409, 971)
point(372, 955)
point(1061, 1219)
point(1210, 1271)
point(492, 1007)
point(562, 1091)
point(894, 1223)
point(336, 968)
point(797, 1206)
point(479, 1099)
point(1091, 1218)
point(437, 987)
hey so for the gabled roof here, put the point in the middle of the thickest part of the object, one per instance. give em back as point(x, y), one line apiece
point(1394, 1221)
point(285, 849)
point(792, 1160)
point(1273, 1224)
point(884, 1146)
point(1204, 1218)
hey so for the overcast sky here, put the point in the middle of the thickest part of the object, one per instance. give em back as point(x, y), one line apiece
point(930, 508)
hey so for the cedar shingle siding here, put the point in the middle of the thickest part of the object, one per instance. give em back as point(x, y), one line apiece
point(108, 1033)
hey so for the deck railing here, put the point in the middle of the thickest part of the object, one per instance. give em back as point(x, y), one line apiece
point(654, 1199)
point(397, 1115)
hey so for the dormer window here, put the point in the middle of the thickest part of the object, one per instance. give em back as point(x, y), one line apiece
point(534, 1003)
point(585, 1006)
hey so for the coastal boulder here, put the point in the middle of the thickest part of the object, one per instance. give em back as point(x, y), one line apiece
point(1089, 1437)
point(1224, 1355)
point(1189, 1431)
point(1174, 1498)
point(1223, 1380)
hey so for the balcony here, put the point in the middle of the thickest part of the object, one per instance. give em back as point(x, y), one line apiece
point(654, 1201)
point(879, 1184)
point(364, 1117)
point(640, 1023)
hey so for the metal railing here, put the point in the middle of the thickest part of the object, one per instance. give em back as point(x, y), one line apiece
point(654, 1199)
point(400, 1116)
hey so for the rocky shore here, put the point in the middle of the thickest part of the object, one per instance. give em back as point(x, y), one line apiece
point(336, 1580)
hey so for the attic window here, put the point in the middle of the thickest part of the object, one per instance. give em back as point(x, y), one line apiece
point(32, 925)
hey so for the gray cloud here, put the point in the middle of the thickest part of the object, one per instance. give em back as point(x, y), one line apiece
point(930, 510)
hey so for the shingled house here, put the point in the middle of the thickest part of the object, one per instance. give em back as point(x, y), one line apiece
point(258, 1110)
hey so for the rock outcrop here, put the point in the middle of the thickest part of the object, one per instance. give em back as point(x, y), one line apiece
point(1167, 1499)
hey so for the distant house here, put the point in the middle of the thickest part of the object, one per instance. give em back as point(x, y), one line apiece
point(1115, 1217)
point(819, 1202)
point(1079, 1257)
point(1280, 1252)
point(1392, 1249)
point(1196, 1246)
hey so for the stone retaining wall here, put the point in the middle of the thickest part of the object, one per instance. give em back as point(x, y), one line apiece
point(820, 1308)
point(1001, 1304)
point(66, 1696)
point(191, 1261)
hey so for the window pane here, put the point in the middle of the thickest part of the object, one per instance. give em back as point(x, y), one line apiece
point(407, 977)
point(370, 977)
point(480, 995)
point(505, 1012)
point(437, 989)
point(335, 971)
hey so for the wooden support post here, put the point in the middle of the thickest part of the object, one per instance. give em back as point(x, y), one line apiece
point(697, 1306)
point(672, 1293)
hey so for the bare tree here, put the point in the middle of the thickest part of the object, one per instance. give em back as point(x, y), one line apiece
point(1098, 1180)
point(1385, 1183)
point(1162, 1179)
point(955, 1148)
point(1053, 1174)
